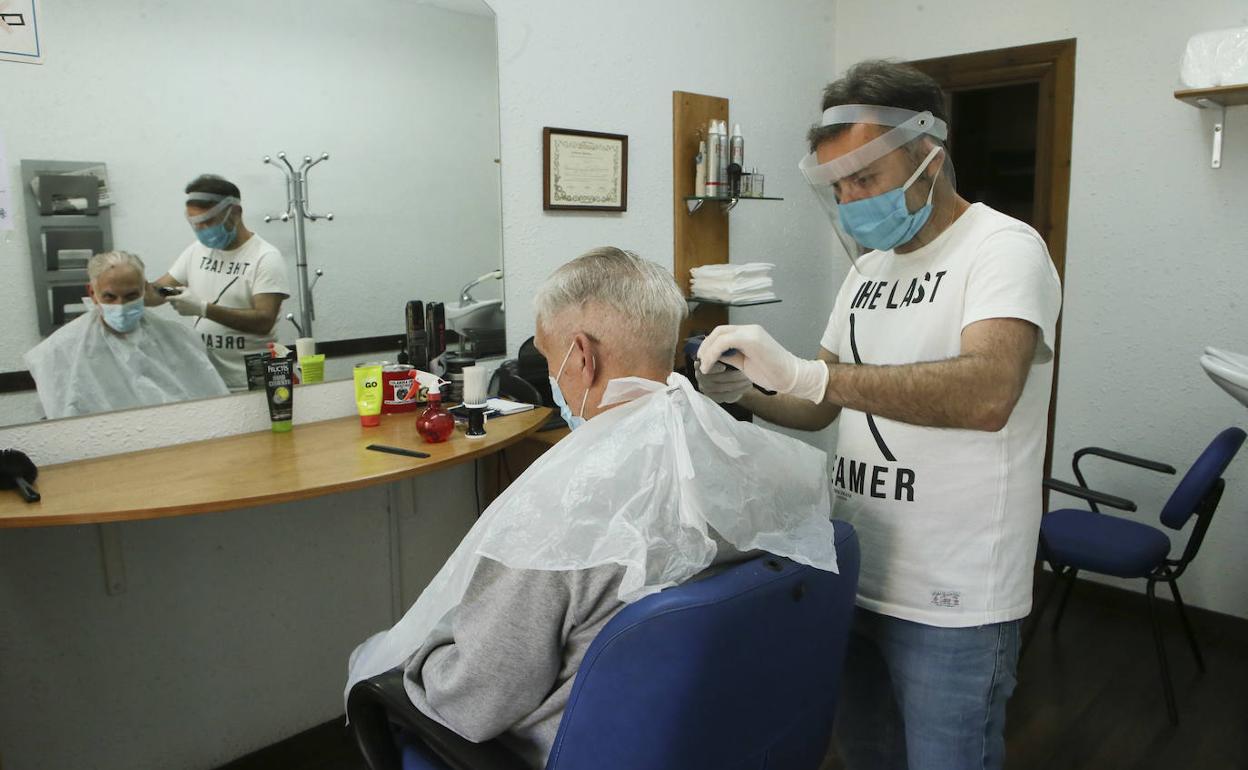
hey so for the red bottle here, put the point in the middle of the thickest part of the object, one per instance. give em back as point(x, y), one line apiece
point(435, 424)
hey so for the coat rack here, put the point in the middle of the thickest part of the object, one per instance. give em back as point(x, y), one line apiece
point(297, 210)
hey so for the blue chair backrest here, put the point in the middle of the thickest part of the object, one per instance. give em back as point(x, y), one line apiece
point(740, 670)
point(1201, 477)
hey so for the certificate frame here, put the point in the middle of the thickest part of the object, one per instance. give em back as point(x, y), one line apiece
point(595, 178)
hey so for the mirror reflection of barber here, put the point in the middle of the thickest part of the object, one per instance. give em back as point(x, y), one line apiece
point(232, 281)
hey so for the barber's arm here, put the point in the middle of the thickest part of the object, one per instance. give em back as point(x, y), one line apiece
point(975, 390)
point(258, 319)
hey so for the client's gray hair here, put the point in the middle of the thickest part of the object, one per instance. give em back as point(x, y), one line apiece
point(99, 264)
point(648, 306)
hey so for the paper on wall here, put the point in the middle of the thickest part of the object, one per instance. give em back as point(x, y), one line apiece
point(19, 31)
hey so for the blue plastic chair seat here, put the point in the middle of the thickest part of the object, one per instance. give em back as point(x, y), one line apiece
point(739, 671)
point(1109, 545)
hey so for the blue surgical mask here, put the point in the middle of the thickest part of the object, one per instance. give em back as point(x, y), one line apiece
point(573, 421)
point(123, 318)
point(883, 222)
point(217, 236)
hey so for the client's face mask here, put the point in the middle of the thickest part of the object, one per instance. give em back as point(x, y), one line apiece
point(217, 236)
point(573, 421)
point(123, 317)
point(884, 222)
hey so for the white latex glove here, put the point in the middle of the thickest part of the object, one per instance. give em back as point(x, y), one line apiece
point(722, 384)
point(764, 361)
point(188, 303)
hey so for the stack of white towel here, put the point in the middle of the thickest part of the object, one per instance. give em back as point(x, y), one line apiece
point(750, 282)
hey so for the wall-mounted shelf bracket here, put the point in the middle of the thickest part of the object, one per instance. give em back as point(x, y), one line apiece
point(1218, 125)
point(1217, 98)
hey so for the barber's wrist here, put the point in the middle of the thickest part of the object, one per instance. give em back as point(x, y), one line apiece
point(751, 399)
point(810, 381)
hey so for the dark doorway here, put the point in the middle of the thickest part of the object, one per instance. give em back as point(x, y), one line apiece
point(1012, 117)
point(994, 147)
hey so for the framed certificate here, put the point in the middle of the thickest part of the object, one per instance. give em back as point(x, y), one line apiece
point(584, 170)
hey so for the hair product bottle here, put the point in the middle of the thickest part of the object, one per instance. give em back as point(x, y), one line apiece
point(699, 174)
point(712, 159)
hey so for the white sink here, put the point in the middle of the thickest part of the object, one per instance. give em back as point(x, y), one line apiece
point(485, 314)
point(1229, 371)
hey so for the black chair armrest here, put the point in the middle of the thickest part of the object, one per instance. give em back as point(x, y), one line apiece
point(1121, 457)
point(375, 704)
point(1091, 495)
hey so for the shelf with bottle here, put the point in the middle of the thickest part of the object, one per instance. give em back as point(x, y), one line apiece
point(694, 202)
point(719, 169)
point(749, 303)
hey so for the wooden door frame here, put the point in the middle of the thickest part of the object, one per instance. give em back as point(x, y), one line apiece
point(1051, 66)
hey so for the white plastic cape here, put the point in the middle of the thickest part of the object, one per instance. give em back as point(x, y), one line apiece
point(83, 368)
point(639, 486)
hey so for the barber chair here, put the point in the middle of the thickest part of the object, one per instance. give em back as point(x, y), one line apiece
point(739, 671)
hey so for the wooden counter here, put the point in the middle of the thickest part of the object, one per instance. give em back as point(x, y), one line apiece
point(252, 469)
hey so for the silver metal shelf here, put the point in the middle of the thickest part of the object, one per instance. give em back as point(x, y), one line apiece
point(694, 202)
point(705, 301)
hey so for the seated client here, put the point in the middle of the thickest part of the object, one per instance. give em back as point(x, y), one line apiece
point(115, 356)
point(656, 485)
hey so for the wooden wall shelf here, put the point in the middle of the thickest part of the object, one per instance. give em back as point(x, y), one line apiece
point(1218, 98)
point(700, 238)
point(1224, 96)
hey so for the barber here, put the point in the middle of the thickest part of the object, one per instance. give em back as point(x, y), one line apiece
point(233, 281)
point(938, 360)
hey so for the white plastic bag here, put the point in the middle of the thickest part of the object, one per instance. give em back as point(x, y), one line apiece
point(638, 486)
point(1216, 58)
point(84, 368)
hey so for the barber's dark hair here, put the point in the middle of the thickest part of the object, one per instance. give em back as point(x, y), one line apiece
point(882, 83)
point(211, 183)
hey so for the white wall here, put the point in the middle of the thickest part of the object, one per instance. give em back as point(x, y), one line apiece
point(402, 95)
point(1155, 261)
point(235, 626)
point(612, 67)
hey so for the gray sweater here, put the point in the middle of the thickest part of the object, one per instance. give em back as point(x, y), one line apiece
point(506, 668)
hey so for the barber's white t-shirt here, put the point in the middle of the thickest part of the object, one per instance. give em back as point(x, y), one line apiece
point(948, 519)
point(231, 279)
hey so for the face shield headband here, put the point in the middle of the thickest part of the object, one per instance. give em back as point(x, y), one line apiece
point(906, 126)
point(218, 203)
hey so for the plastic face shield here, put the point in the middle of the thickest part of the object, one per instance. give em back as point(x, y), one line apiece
point(218, 204)
point(858, 173)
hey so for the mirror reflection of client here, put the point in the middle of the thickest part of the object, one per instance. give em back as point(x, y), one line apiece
point(115, 356)
point(233, 280)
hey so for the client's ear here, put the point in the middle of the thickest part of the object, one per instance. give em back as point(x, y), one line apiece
point(589, 360)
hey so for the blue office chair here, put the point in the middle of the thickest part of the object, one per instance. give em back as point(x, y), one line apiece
point(1072, 539)
point(739, 671)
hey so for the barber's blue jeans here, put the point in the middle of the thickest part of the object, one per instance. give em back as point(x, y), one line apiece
point(919, 697)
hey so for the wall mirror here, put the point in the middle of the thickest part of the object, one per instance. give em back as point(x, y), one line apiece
point(401, 94)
